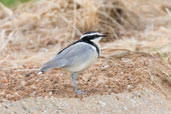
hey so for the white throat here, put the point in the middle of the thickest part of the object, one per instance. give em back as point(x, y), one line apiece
point(96, 41)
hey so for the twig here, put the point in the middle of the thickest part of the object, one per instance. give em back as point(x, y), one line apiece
point(156, 84)
point(75, 14)
point(7, 10)
point(27, 70)
point(9, 38)
point(168, 11)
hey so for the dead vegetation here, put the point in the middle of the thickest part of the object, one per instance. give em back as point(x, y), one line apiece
point(136, 53)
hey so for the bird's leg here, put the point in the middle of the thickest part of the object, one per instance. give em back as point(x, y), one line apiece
point(74, 78)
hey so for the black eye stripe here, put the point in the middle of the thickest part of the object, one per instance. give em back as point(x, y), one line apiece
point(91, 37)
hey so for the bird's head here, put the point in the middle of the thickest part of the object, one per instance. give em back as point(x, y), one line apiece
point(92, 36)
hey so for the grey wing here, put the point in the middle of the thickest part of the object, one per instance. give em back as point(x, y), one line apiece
point(72, 55)
point(77, 53)
point(53, 63)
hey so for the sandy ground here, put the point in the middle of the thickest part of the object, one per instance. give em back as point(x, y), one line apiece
point(138, 102)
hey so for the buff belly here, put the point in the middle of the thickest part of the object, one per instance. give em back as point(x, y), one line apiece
point(82, 65)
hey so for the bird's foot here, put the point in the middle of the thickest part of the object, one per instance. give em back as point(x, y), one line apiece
point(79, 92)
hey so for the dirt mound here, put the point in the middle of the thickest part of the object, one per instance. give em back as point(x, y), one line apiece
point(110, 75)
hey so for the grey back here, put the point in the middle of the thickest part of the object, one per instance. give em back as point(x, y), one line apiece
point(71, 56)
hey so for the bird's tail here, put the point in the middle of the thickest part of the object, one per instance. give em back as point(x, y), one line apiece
point(50, 64)
point(39, 73)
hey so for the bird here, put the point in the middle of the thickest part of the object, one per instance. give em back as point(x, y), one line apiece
point(77, 57)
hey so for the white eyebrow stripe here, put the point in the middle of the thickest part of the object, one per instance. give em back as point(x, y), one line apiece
point(91, 34)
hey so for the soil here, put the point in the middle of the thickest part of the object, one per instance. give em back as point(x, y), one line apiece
point(119, 82)
point(110, 75)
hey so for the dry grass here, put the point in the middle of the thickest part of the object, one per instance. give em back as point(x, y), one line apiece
point(50, 25)
point(33, 32)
